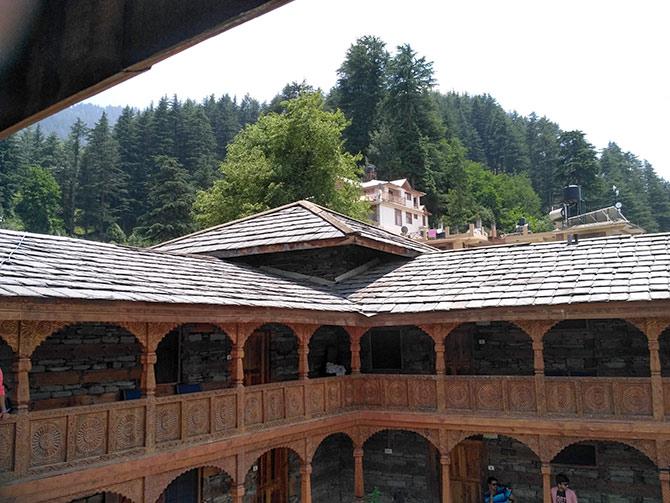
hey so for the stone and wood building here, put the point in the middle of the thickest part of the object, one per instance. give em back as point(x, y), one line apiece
point(199, 370)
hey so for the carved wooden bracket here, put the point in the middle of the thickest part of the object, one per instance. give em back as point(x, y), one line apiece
point(33, 333)
point(156, 332)
point(651, 327)
point(439, 331)
point(536, 329)
point(9, 332)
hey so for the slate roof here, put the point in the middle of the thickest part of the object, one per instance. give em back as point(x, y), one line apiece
point(35, 265)
point(295, 226)
point(622, 268)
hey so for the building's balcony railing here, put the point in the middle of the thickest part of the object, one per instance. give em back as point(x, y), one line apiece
point(400, 200)
point(56, 440)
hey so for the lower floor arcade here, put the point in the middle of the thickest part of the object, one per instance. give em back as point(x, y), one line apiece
point(401, 466)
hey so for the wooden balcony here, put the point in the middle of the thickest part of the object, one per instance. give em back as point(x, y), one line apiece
point(47, 442)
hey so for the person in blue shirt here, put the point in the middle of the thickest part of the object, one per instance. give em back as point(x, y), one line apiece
point(498, 493)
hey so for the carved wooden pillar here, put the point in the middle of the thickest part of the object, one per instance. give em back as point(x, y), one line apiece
point(359, 487)
point(237, 354)
point(546, 483)
point(664, 475)
point(445, 464)
point(303, 361)
point(21, 368)
point(237, 492)
point(148, 380)
point(306, 482)
point(355, 335)
point(538, 368)
point(656, 378)
point(653, 328)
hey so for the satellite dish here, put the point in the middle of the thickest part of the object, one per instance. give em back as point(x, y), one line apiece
point(618, 206)
point(404, 230)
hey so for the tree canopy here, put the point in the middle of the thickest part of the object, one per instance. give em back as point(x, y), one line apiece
point(295, 154)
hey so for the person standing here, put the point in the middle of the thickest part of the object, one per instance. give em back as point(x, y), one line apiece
point(498, 493)
point(3, 402)
point(561, 493)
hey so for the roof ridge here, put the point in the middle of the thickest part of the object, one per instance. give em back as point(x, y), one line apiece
point(396, 236)
point(324, 213)
point(227, 224)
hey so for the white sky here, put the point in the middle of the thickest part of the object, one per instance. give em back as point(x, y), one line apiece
point(601, 66)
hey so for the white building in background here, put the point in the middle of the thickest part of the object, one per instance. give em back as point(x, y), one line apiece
point(397, 206)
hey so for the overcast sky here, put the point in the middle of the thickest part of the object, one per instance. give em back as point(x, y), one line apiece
point(601, 66)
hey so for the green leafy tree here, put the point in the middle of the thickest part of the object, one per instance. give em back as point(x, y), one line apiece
point(360, 89)
point(284, 157)
point(171, 199)
point(289, 92)
point(38, 201)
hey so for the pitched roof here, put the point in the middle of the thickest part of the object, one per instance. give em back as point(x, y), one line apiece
point(621, 268)
point(35, 265)
point(296, 226)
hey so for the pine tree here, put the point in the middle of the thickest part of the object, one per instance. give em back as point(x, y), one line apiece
point(578, 165)
point(170, 200)
point(102, 184)
point(197, 145)
point(542, 140)
point(9, 176)
point(127, 136)
point(658, 195)
point(360, 89)
point(68, 178)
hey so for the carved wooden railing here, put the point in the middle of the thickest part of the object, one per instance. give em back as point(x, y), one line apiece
point(627, 397)
point(55, 440)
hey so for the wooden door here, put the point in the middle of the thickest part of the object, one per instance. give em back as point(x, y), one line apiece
point(273, 477)
point(466, 471)
point(257, 358)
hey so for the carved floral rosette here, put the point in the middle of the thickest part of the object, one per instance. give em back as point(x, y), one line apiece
point(225, 412)
point(48, 441)
point(90, 435)
point(127, 428)
point(168, 422)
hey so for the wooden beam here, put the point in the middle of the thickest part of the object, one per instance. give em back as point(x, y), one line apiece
point(69, 50)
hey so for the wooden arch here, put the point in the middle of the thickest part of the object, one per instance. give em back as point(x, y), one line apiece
point(33, 333)
point(532, 442)
point(297, 447)
point(158, 484)
point(554, 445)
point(316, 441)
point(365, 433)
point(117, 491)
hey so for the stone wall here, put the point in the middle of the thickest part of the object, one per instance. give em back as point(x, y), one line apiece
point(496, 348)
point(408, 474)
point(417, 350)
point(84, 363)
point(204, 353)
point(216, 486)
point(328, 342)
point(604, 348)
point(622, 475)
point(515, 466)
point(326, 263)
point(333, 471)
point(283, 353)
